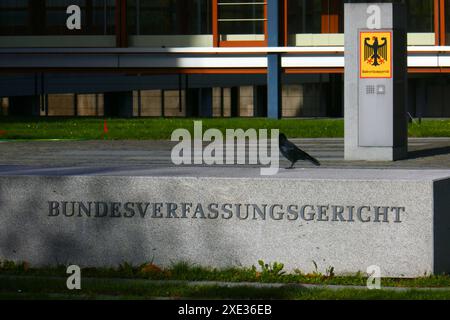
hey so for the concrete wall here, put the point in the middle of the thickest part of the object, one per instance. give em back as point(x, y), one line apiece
point(61, 105)
point(298, 101)
point(305, 100)
point(246, 101)
point(90, 104)
point(217, 102)
point(150, 103)
point(172, 103)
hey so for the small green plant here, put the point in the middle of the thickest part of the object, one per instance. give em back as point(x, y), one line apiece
point(127, 269)
point(6, 265)
point(316, 271)
point(271, 269)
point(329, 273)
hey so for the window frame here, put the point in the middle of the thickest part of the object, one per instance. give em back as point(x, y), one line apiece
point(235, 43)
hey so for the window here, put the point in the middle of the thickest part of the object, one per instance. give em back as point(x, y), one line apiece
point(447, 21)
point(241, 20)
point(97, 16)
point(169, 17)
point(14, 17)
point(315, 16)
point(304, 16)
point(420, 14)
point(48, 17)
point(327, 16)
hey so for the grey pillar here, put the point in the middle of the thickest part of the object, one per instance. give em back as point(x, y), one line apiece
point(375, 82)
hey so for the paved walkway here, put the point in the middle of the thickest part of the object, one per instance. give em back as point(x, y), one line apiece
point(426, 153)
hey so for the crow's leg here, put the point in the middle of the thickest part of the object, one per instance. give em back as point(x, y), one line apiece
point(292, 165)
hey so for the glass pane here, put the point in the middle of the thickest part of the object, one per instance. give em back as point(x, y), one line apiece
point(447, 21)
point(241, 12)
point(241, 18)
point(169, 17)
point(304, 16)
point(48, 17)
point(420, 14)
point(310, 16)
point(14, 16)
point(242, 27)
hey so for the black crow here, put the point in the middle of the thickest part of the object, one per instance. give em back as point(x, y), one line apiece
point(291, 152)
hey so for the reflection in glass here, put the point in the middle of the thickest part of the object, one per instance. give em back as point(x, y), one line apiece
point(169, 17)
point(420, 14)
point(241, 18)
point(48, 17)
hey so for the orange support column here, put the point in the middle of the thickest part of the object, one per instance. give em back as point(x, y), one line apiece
point(442, 24)
point(121, 24)
point(330, 16)
point(215, 23)
point(437, 26)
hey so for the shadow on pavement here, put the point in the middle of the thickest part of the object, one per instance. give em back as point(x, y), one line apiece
point(428, 152)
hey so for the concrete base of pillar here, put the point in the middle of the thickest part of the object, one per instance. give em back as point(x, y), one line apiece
point(376, 153)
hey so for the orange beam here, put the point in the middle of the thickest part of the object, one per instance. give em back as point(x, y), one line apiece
point(325, 17)
point(428, 70)
point(436, 22)
point(266, 33)
point(312, 70)
point(215, 23)
point(334, 15)
point(243, 43)
point(442, 30)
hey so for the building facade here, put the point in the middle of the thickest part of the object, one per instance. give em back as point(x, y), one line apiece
point(209, 58)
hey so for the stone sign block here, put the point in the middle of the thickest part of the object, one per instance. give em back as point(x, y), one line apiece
point(221, 217)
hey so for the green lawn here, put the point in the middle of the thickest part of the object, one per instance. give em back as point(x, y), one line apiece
point(55, 288)
point(20, 281)
point(158, 128)
point(261, 272)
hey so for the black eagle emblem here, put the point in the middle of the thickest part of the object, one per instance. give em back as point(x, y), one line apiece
point(375, 54)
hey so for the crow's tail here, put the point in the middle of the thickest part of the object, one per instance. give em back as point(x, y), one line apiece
point(312, 159)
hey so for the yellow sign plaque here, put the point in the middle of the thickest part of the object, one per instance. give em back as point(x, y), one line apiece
point(375, 55)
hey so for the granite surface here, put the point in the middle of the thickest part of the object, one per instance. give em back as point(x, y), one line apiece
point(230, 217)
